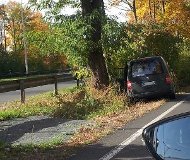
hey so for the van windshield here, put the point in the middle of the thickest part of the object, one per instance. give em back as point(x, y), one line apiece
point(146, 67)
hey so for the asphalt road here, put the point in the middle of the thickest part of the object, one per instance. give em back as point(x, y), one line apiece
point(126, 143)
point(15, 95)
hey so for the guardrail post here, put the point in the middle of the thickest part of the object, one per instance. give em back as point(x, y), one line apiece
point(56, 88)
point(22, 91)
point(78, 82)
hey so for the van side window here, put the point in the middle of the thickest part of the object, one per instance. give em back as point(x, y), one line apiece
point(143, 68)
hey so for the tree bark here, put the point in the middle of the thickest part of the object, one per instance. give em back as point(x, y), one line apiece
point(132, 6)
point(163, 6)
point(150, 8)
point(14, 35)
point(94, 11)
point(135, 11)
point(154, 11)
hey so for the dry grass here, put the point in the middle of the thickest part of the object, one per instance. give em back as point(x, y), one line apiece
point(115, 120)
point(43, 104)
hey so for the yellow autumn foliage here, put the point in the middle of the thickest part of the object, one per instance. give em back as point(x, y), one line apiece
point(175, 14)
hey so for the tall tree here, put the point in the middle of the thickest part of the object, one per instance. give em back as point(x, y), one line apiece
point(20, 20)
point(93, 16)
point(94, 10)
point(31, 20)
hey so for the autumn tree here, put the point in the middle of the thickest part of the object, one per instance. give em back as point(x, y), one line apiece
point(173, 15)
point(14, 16)
point(131, 8)
point(32, 21)
point(177, 17)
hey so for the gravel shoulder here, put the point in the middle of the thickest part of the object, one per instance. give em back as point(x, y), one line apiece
point(38, 130)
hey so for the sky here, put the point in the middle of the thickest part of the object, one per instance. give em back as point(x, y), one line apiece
point(116, 12)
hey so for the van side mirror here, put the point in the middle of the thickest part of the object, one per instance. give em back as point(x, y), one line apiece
point(169, 138)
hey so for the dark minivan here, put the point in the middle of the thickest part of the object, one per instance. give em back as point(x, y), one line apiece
point(148, 77)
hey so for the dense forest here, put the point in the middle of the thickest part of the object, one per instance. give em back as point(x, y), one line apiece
point(92, 41)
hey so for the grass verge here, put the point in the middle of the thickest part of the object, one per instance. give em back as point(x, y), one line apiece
point(107, 108)
point(42, 104)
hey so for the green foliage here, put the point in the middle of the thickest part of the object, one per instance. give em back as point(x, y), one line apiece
point(182, 69)
point(113, 43)
point(69, 35)
point(11, 62)
point(65, 38)
point(137, 41)
point(121, 44)
point(82, 73)
point(161, 43)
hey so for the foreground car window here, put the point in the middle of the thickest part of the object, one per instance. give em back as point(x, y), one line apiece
point(143, 68)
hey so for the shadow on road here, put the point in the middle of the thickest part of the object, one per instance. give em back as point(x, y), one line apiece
point(13, 133)
point(37, 129)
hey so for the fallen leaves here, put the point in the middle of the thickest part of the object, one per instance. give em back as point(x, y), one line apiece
point(111, 122)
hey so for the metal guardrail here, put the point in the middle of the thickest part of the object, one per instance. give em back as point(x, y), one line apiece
point(30, 82)
point(33, 73)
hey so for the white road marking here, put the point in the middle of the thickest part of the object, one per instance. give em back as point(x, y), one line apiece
point(133, 137)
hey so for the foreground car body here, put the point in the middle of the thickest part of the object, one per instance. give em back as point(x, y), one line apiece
point(169, 139)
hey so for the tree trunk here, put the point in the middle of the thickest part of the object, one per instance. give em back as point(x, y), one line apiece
point(5, 39)
point(150, 8)
point(135, 11)
point(93, 10)
point(14, 35)
point(163, 6)
point(154, 11)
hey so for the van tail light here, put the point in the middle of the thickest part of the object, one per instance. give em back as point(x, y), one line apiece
point(129, 85)
point(168, 79)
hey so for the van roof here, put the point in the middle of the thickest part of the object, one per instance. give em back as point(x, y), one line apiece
point(146, 58)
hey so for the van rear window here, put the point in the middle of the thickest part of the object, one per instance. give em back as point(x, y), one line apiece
point(147, 67)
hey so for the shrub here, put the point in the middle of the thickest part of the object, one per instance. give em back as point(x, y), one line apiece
point(76, 105)
point(88, 102)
